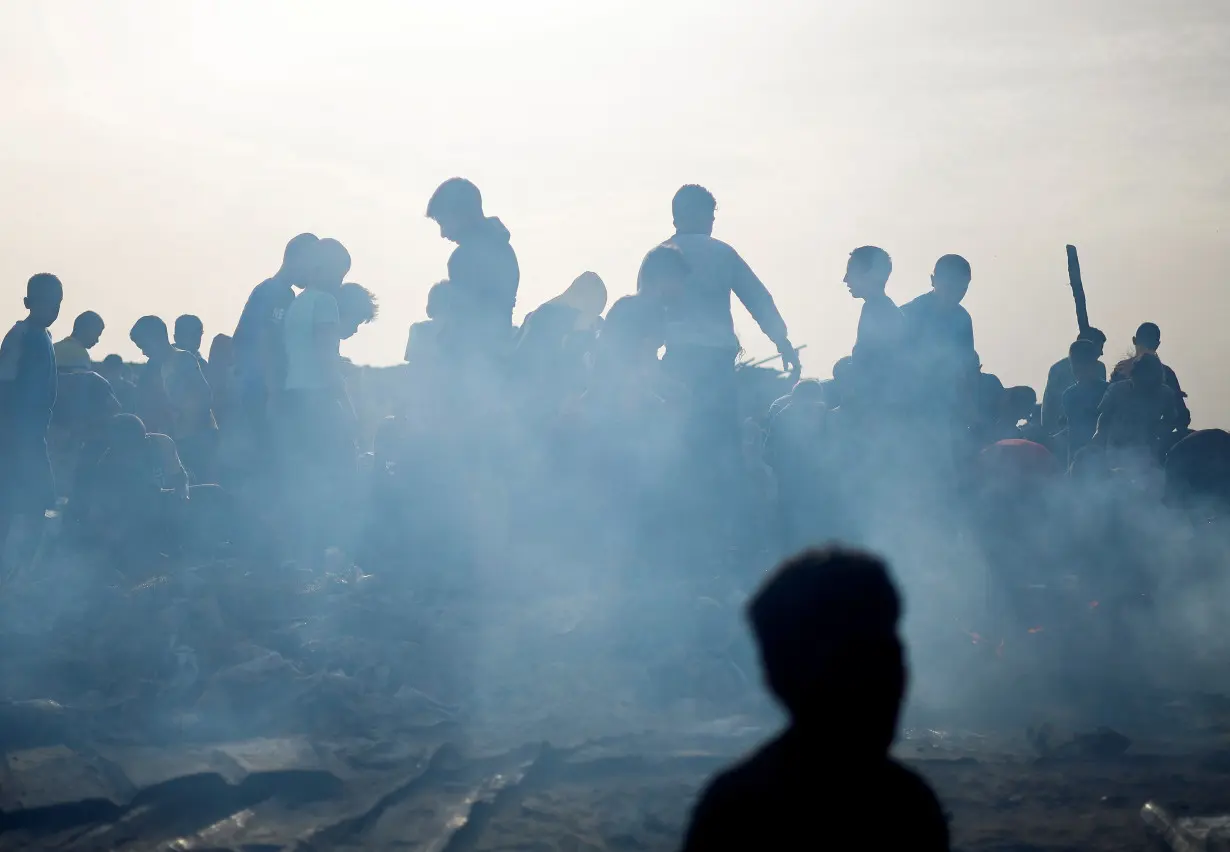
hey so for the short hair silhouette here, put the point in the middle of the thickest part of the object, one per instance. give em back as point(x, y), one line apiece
point(1083, 351)
point(332, 259)
point(1148, 335)
point(43, 284)
point(113, 361)
point(692, 200)
point(299, 247)
point(149, 327)
point(86, 324)
point(815, 617)
point(438, 299)
point(455, 195)
point(189, 325)
point(873, 260)
point(1096, 335)
point(953, 267)
point(665, 261)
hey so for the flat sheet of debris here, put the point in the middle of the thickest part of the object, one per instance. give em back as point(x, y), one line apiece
point(219, 708)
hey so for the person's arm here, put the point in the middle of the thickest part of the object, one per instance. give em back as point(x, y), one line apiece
point(1107, 410)
point(759, 303)
point(1053, 403)
point(1183, 417)
point(174, 475)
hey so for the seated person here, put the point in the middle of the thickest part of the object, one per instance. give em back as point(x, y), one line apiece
point(137, 499)
point(1146, 341)
point(1061, 377)
point(1137, 413)
point(826, 624)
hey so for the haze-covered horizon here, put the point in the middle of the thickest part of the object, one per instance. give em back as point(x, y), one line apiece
point(159, 155)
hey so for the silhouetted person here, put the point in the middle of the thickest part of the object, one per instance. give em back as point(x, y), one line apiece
point(826, 624)
point(73, 352)
point(356, 306)
point(482, 270)
point(1060, 377)
point(174, 398)
point(423, 341)
point(28, 385)
point(881, 326)
point(939, 328)
point(116, 372)
point(1147, 340)
point(1137, 412)
point(701, 333)
point(189, 334)
point(84, 406)
point(138, 499)
point(219, 368)
point(1198, 471)
point(1082, 399)
point(258, 348)
point(317, 441)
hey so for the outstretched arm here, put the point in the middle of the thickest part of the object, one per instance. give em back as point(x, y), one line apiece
point(759, 303)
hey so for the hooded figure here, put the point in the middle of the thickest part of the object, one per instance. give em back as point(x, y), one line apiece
point(586, 296)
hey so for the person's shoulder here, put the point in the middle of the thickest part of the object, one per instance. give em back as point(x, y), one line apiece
point(917, 799)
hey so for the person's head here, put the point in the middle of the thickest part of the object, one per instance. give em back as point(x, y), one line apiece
point(332, 263)
point(989, 396)
point(87, 329)
point(1018, 403)
point(438, 300)
point(126, 433)
point(298, 259)
point(221, 351)
point(633, 330)
point(356, 306)
point(1095, 336)
point(663, 275)
point(112, 368)
point(693, 209)
point(1083, 358)
point(1148, 338)
point(867, 271)
point(951, 278)
point(150, 335)
point(189, 331)
point(1147, 371)
point(842, 368)
point(44, 294)
point(826, 622)
point(457, 207)
point(807, 391)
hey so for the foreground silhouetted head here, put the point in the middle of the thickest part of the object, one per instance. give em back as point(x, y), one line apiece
point(1148, 338)
point(44, 294)
point(189, 331)
point(150, 336)
point(826, 625)
point(694, 209)
point(439, 299)
point(456, 206)
point(632, 332)
point(867, 271)
point(87, 329)
point(126, 433)
point(951, 278)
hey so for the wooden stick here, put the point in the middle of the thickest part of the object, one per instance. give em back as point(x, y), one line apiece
point(1078, 290)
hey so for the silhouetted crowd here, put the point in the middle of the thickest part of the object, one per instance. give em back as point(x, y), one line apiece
point(630, 440)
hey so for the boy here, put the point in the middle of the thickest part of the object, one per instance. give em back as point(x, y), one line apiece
point(826, 623)
point(28, 388)
point(1080, 401)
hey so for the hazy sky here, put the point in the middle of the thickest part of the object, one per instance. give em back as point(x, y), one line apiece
point(158, 155)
